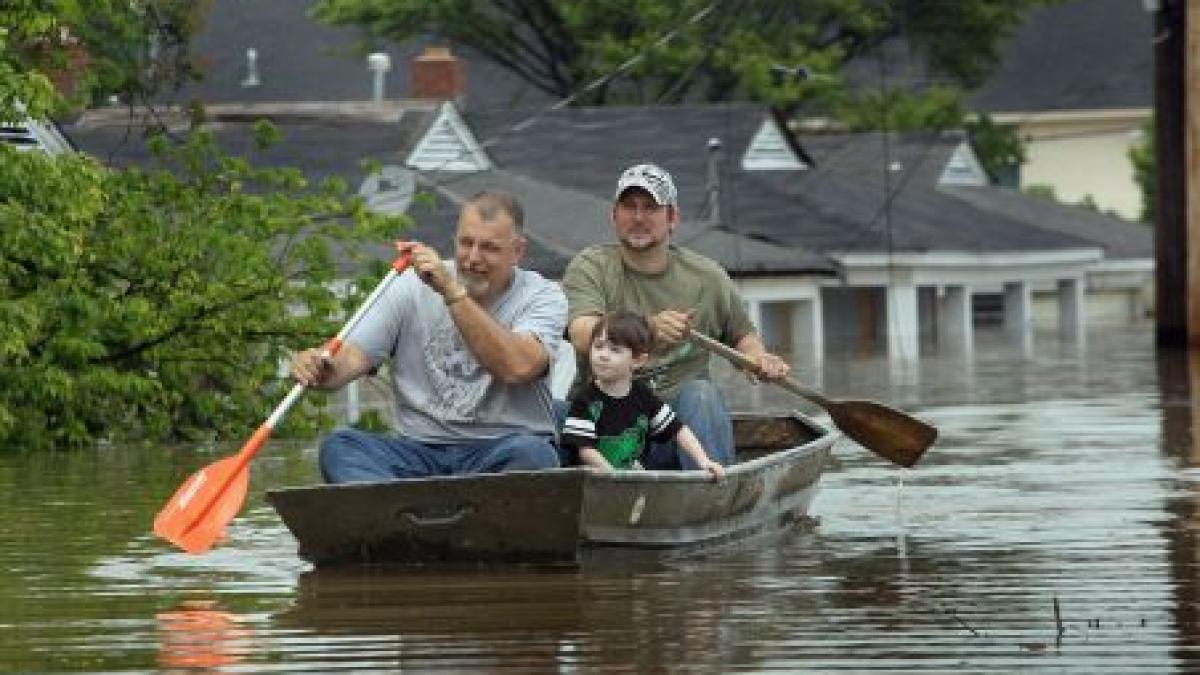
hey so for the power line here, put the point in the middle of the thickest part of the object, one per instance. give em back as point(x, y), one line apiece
point(629, 63)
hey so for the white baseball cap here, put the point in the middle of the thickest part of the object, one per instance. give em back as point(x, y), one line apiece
point(651, 178)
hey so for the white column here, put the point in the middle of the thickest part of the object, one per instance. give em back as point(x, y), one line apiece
point(754, 309)
point(1071, 309)
point(808, 330)
point(353, 409)
point(1018, 313)
point(902, 334)
point(956, 332)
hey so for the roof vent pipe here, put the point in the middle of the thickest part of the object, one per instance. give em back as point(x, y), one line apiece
point(251, 79)
point(713, 185)
point(379, 64)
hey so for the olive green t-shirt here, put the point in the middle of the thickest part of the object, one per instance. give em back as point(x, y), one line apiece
point(597, 281)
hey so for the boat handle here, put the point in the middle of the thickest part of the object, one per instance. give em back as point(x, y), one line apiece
point(438, 521)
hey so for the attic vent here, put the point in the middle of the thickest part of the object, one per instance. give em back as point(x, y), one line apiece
point(31, 135)
point(19, 136)
point(963, 168)
point(448, 145)
point(770, 151)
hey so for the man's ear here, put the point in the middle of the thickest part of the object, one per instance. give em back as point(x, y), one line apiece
point(521, 246)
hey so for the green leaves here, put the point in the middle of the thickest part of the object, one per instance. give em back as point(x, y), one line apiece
point(61, 54)
point(158, 304)
point(563, 46)
point(1143, 157)
point(999, 147)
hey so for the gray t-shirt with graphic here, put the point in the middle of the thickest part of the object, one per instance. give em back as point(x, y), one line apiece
point(443, 394)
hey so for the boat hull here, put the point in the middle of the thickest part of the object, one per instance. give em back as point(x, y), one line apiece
point(563, 515)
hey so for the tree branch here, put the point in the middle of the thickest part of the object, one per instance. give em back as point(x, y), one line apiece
point(144, 345)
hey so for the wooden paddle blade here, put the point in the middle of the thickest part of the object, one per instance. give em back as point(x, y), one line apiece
point(889, 433)
point(196, 516)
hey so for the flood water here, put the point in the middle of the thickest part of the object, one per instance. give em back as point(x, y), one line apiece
point(1052, 528)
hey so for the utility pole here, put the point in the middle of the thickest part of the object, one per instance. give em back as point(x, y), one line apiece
point(1191, 144)
point(1172, 282)
point(1177, 148)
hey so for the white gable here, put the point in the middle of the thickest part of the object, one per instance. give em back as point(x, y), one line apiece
point(30, 135)
point(769, 150)
point(448, 145)
point(963, 168)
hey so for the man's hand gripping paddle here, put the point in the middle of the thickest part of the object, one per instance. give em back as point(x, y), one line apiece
point(197, 514)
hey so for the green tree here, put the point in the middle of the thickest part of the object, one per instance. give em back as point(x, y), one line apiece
point(999, 147)
point(24, 88)
point(157, 304)
point(91, 49)
point(561, 46)
point(151, 304)
point(1145, 171)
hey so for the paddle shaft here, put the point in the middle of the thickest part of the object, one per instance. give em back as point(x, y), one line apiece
point(194, 529)
point(889, 433)
point(331, 349)
point(790, 383)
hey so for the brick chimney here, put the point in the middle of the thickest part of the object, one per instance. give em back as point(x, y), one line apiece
point(437, 74)
point(63, 59)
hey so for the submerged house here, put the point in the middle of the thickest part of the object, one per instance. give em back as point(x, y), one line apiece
point(895, 238)
point(896, 242)
point(1076, 80)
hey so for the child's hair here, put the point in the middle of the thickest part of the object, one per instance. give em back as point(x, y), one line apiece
point(626, 329)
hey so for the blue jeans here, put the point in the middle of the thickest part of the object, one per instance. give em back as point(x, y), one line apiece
point(352, 456)
point(701, 407)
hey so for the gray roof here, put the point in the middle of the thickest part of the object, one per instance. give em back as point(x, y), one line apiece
point(550, 247)
point(576, 148)
point(843, 207)
point(300, 59)
point(321, 145)
point(562, 221)
point(1120, 239)
point(323, 139)
point(834, 208)
point(563, 164)
point(1079, 55)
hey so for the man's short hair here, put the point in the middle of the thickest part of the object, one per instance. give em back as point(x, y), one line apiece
point(490, 203)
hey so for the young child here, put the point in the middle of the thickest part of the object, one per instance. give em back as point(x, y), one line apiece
point(613, 419)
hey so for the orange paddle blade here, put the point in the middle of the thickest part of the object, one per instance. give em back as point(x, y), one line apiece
point(197, 514)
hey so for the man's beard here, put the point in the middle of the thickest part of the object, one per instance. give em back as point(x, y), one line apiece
point(477, 285)
point(642, 241)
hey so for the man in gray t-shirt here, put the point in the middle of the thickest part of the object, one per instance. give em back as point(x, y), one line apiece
point(470, 346)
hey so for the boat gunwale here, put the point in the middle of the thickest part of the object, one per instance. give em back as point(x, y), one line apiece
point(826, 439)
point(591, 535)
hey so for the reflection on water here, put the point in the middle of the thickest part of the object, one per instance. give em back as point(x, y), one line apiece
point(648, 617)
point(1053, 527)
point(1179, 384)
point(198, 634)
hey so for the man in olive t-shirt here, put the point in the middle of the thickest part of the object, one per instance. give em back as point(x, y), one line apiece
point(675, 289)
